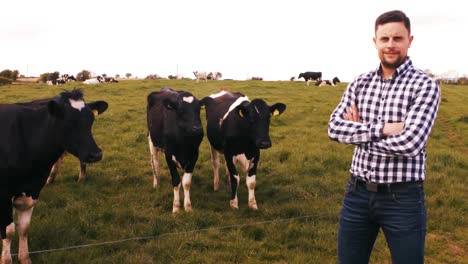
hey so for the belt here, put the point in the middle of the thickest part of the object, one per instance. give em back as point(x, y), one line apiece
point(386, 187)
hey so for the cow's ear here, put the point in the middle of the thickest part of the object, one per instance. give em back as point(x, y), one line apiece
point(171, 102)
point(277, 109)
point(98, 107)
point(204, 101)
point(243, 109)
point(55, 109)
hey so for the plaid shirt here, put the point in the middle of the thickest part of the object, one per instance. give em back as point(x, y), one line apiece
point(410, 96)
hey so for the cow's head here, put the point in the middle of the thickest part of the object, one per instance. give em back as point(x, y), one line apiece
point(187, 109)
point(258, 114)
point(76, 118)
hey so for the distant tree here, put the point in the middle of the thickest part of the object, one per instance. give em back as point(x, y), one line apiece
point(9, 74)
point(49, 76)
point(83, 75)
point(117, 76)
point(4, 81)
point(104, 75)
point(128, 75)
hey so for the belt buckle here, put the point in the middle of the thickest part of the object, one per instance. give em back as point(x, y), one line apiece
point(371, 187)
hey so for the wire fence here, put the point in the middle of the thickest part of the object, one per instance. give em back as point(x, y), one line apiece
point(176, 234)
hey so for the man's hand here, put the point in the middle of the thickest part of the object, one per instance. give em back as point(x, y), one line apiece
point(352, 114)
point(391, 129)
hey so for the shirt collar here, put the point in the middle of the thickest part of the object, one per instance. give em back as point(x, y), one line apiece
point(400, 70)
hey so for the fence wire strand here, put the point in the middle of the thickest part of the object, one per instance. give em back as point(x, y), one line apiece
point(172, 234)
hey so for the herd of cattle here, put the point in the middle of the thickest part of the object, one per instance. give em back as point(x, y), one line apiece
point(65, 78)
point(35, 135)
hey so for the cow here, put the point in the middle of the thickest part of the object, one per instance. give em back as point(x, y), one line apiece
point(35, 104)
point(97, 80)
point(31, 141)
point(110, 80)
point(174, 127)
point(308, 76)
point(239, 129)
point(201, 75)
point(333, 82)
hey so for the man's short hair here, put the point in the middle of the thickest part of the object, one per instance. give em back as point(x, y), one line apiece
point(393, 16)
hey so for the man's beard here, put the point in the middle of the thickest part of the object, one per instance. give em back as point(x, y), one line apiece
point(399, 61)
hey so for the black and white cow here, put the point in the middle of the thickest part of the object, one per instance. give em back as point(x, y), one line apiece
point(239, 128)
point(110, 80)
point(174, 127)
point(96, 80)
point(201, 75)
point(309, 76)
point(31, 141)
point(333, 82)
point(36, 104)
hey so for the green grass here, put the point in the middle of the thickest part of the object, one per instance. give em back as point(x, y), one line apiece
point(300, 186)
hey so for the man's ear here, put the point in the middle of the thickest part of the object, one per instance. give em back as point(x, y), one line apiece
point(277, 109)
point(55, 109)
point(171, 102)
point(98, 107)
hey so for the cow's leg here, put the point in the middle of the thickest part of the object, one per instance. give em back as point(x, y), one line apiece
point(82, 176)
point(24, 207)
point(154, 161)
point(7, 228)
point(175, 182)
point(55, 169)
point(215, 162)
point(187, 183)
point(250, 180)
point(235, 180)
point(24, 220)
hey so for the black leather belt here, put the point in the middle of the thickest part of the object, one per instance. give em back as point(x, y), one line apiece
point(386, 187)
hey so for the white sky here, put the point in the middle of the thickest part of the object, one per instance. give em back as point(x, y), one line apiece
point(273, 39)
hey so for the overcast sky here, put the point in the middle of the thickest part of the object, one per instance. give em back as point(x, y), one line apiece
point(274, 39)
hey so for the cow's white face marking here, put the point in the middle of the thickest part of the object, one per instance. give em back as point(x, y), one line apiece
point(77, 104)
point(218, 94)
point(188, 99)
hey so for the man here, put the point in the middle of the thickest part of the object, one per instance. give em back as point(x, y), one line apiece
point(387, 114)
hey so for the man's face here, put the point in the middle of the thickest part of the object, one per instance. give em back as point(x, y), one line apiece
point(392, 41)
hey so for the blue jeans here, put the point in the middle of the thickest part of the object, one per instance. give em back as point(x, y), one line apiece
point(400, 213)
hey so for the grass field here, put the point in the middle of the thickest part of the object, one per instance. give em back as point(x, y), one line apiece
point(117, 217)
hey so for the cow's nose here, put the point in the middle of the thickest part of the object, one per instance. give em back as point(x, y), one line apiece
point(264, 144)
point(94, 157)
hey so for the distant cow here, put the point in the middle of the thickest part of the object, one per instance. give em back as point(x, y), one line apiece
point(239, 128)
point(201, 75)
point(37, 104)
point(174, 127)
point(31, 141)
point(97, 80)
point(327, 82)
point(308, 76)
point(110, 80)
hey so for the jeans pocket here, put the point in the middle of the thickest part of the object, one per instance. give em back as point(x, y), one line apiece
point(350, 187)
point(413, 197)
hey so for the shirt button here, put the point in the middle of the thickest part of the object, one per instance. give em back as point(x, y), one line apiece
point(383, 99)
point(379, 118)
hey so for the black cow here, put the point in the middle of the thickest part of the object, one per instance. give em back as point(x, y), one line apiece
point(174, 126)
point(239, 128)
point(31, 141)
point(309, 76)
point(35, 104)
